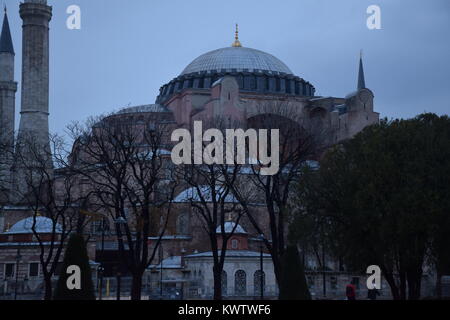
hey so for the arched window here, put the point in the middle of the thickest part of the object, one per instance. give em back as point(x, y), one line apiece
point(224, 283)
point(257, 278)
point(240, 283)
point(183, 224)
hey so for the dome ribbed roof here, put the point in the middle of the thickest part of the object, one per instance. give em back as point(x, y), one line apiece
point(237, 59)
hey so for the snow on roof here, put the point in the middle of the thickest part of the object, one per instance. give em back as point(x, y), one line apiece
point(229, 226)
point(43, 225)
point(192, 194)
point(168, 263)
point(230, 253)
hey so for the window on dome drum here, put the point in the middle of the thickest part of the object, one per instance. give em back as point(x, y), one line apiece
point(257, 277)
point(33, 269)
point(265, 84)
point(288, 86)
point(253, 83)
point(10, 270)
point(277, 84)
point(224, 283)
point(240, 283)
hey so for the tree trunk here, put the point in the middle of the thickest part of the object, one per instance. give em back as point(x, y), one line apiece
point(439, 283)
point(394, 288)
point(402, 276)
point(136, 286)
point(217, 283)
point(277, 271)
point(414, 284)
point(48, 288)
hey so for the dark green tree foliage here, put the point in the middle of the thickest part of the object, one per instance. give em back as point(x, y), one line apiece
point(293, 284)
point(76, 254)
point(385, 197)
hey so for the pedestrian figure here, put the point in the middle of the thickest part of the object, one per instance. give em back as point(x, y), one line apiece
point(350, 291)
point(372, 294)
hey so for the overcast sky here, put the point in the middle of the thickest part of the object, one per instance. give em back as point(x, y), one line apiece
point(127, 49)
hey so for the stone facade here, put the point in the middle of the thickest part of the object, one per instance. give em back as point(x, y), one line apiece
point(231, 82)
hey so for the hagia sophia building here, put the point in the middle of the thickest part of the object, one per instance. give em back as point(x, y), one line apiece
point(228, 81)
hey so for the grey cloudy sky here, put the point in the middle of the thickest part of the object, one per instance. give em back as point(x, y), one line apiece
point(126, 49)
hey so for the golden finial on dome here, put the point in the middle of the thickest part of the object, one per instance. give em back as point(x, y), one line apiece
point(236, 42)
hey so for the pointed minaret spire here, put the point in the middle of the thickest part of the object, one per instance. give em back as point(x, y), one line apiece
point(8, 88)
point(361, 78)
point(6, 44)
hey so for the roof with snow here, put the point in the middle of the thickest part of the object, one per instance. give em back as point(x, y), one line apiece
point(230, 254)
point(230, 226)
point(168, 263)
point(204, 192)
point(41, 225)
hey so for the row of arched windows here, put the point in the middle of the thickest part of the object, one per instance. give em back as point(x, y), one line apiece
point(240, 283)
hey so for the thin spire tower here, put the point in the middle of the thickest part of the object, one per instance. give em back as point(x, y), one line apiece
point(361, 78)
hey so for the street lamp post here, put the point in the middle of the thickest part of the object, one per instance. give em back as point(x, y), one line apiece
point(25, 285)
point(161, 271)
point(18, 258)
point(183, 252)
point(101, 268)
point(119, 222)
point(261, 262)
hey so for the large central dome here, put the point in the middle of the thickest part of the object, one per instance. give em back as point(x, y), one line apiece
point(255, 72)
point(237, 59)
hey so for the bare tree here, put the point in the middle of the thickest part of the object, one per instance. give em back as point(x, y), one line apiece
point(47, 189)
point(211, 196)
point(125, 162)
point(6, 161)
point(301, 139)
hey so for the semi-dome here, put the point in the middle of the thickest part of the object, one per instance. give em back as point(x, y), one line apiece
point(237, 59)
point(148, 108)
point(43, 225)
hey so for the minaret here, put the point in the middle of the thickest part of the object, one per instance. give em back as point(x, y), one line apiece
point(361, 79)
point(36, 15)
point(33, 129)
point(8, 88)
